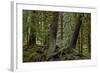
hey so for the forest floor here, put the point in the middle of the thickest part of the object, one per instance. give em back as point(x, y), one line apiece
point(38, 54)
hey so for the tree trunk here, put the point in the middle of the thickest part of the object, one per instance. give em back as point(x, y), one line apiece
point(31, 31)
point(52, 34)
point(81, 44)
point(73, 41)
point(61, 27)
point(28, 27)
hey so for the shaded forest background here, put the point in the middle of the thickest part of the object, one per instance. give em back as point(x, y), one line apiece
point(56, 36)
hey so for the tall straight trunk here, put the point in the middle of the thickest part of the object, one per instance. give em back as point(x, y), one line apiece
point(61, 27)
point(52, 34)
point(78, 44)
point(81, 44)
point(45, 37)
point(27, 36)
point(89, 45)
point(32, 31)
point(28, 26)
point(73, 41)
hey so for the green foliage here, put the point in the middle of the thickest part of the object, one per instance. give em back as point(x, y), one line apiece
point(47, 39)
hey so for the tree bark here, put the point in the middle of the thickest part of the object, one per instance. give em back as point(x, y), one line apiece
point(81, 43)
point(61, 27)
point(52, 34)
point(73, 41)
point(31, 31)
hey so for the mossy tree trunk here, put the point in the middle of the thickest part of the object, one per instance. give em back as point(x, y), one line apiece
point(52, 34)
point(74, 38)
